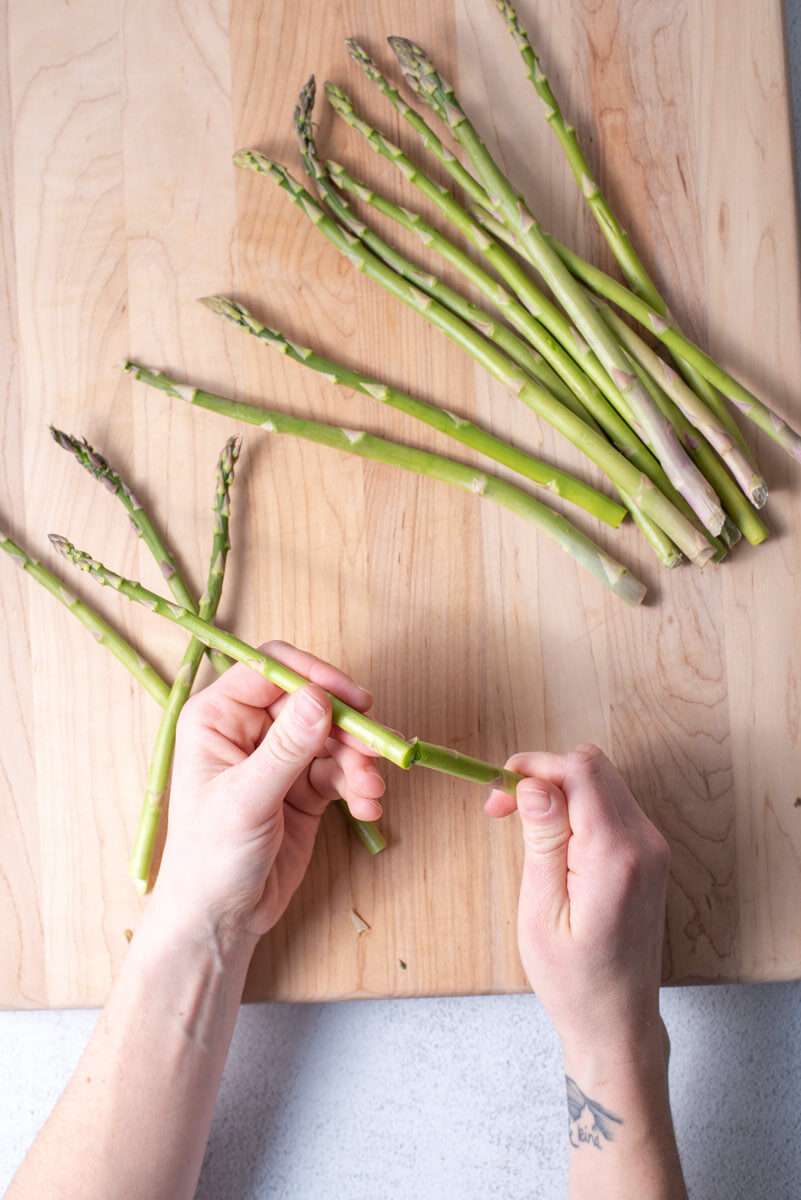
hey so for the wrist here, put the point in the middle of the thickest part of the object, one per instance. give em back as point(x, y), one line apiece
point(631, 1053)
point(171, 929)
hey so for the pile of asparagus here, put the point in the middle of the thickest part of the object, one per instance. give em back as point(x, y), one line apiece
point(664, 436)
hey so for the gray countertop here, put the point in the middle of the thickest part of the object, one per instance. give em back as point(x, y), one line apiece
point(434, 1099)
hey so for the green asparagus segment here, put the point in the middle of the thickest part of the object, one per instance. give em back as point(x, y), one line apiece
point(141, 860)
point(385, 742)
point(556, 481)
point(98, 466)
point(679, 467)
point(616, 236)
point(776, 428)
point(368, 832)
point(103, 633)
point(622, 473)
point(451, 762)
point(421, 462)
point(604, 399)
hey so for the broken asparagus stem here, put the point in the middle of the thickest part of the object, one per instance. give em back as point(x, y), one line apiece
point(554, 480)
point(420, 71)
point(98, 466)
point(141, 860)
point(421, 462)
point(385, 742)
point(616, 236)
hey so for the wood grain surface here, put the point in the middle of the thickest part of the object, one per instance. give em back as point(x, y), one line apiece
point(121, 207)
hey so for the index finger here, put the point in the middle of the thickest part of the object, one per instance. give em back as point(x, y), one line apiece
point(245, 685)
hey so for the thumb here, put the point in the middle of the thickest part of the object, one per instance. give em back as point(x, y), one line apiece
point(294, 739)
point(546, 833)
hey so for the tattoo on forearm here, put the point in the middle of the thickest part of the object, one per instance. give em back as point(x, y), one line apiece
point(589, 1123)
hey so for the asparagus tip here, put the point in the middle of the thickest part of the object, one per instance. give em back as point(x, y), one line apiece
point(60, 544)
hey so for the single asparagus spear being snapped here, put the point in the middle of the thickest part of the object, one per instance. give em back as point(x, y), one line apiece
point(403, 752)
point(422, 462)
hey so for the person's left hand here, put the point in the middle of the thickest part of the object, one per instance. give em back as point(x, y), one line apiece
point(254, 771)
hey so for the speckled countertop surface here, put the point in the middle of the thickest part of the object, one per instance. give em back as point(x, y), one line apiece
point(438, 1099)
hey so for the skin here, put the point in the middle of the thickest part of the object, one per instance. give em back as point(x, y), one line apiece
point(590, 929)
point(254, 771)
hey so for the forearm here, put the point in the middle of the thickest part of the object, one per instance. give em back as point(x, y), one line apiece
point(135, 1116)
point(622, 1143)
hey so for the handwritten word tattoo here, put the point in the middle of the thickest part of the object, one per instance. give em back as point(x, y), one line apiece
point(589, 1123)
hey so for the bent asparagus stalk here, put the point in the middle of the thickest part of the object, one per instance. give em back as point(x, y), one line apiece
point(539, 307)
point(158, 773)
point(509, 342)
point(100, 629)
point(680, 469)
point(99, 467)
point(556, 481)
point(619, 469)
point(386, 742)
point(616, 236)
point(776, 428)
point(421, 462)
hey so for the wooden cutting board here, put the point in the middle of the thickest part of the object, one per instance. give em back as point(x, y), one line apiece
point(122, 208)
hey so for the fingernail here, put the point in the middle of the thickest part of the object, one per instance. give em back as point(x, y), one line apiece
point(533, 798)
point(308, 709)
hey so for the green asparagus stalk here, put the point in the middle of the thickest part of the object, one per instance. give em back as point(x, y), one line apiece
point(622, 473)
point(161, 758)
point(693, 408)
point(616, 236)
point(385, 742)
point(329, 183)
point(539, 306)
point(556, 481)
point(509, 342)
point(458, 172)
point(681, 471)
point(368, 832)
point(103, 633)
point(98, 466)
point(146, 675)
point(776, 428)
point(422, 462)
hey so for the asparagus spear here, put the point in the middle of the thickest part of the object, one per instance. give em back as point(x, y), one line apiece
point(390, 745)
point(328, 181)
point(776, 428)
point(106, 635)
point(619, 469)
point(538, 336)
point(694, 409)
point(98, 626)
point(680, 469)
point(552, 478)
point(539, 306)
point(159, 768)
point(615, 235)
point(98, 466)
point(422, 462)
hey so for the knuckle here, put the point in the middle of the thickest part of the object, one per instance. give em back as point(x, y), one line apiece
point(193, 713)
point(286, 744)
point(586, 760)
point(660, 850)
point(629, 866)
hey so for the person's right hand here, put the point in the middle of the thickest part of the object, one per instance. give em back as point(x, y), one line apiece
point(592, 900)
